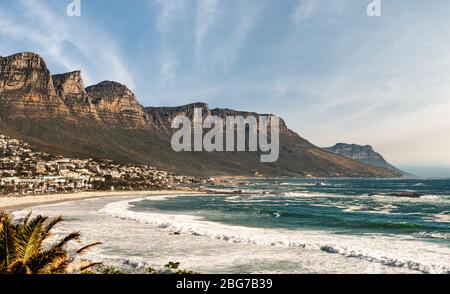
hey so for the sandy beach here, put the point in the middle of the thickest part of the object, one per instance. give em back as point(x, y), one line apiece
point(13, 203)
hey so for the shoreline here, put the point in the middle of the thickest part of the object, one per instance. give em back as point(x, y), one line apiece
point(105, 219)
point(315, 250)
point(13, 203)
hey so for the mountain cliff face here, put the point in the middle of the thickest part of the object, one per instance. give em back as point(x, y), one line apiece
point(365, 154)
point(161, 117)
point(26, 87)
point(58, 114)
point(70, 87)
point(116, 104)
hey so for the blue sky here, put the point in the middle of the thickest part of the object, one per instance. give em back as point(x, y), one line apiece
point(332, 72)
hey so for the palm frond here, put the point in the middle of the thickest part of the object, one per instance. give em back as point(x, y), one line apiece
point(27, 218)
point(57, 266)
point(30, 236)
point(7, 240)
point(40, 262)
point(74, 236)
point(88, 265)
point(51, 223)
point(18, 267)
point(83, 249)
point(78, 267)
point(22, 247)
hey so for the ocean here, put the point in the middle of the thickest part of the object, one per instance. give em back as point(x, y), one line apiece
point(275, 226)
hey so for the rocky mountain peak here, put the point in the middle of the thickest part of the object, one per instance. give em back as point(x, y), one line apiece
point(25, 59)
point(110, 91)
point(357, 152)
point(161, 117)
point(26, 87)
point(353, 147)
point(25, 71)
point(70, 86)
point(117, 104)
point(362, 153)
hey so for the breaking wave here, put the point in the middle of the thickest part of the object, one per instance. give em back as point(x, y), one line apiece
point(432, 235)
point(370, 248)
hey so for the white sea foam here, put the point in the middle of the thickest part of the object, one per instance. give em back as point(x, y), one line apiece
point(442, 217)
point(308, 194)
point(406, 252)
point(432, 235)
point(303, 184)
point(288, 184)
point(421, 199)
point(384, 209)
point(228, 190)
point(432, 197)
point(352, 208)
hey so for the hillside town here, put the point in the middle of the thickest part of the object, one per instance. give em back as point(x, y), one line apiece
point(24, 171)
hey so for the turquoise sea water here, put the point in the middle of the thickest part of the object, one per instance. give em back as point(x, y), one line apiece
point(339, 206)
point(272, 226)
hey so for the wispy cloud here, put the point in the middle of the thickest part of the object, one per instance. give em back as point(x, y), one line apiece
point(206, 15)
point(50, 32)
point(332, 72)
point(170, 13)
point(229, 46)
point(304, 10)
point(215, 39)
point(48, 41)
point(170, 9)
point(168, 68)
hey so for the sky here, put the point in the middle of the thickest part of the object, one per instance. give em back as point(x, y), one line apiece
point(333, 73)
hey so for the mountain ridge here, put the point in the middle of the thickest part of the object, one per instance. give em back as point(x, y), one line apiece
point(57, 113)
point(365, 154)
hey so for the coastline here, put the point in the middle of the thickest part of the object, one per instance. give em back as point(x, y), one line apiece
point(277, 249)
point(12, 203)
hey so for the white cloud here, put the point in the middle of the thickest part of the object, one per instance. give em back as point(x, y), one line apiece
point(205, 17)
point(227, 49)
point(170, 12)
point(49, 33)
point(304, 10)
point(170, 9)
point(48, 41)
point(216, 37)
point(168, 67)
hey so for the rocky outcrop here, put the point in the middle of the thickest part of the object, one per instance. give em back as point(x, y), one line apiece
point(117, 105)
point(365, 154)
point(25, 71)
point(70, 87)
point(161, 117)
point(108, 102)
point(26, 87)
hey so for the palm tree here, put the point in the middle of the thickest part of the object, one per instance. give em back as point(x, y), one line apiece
point(26, 248)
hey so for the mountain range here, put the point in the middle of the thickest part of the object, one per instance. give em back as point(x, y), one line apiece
point(365, 154)
point(57, 113)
